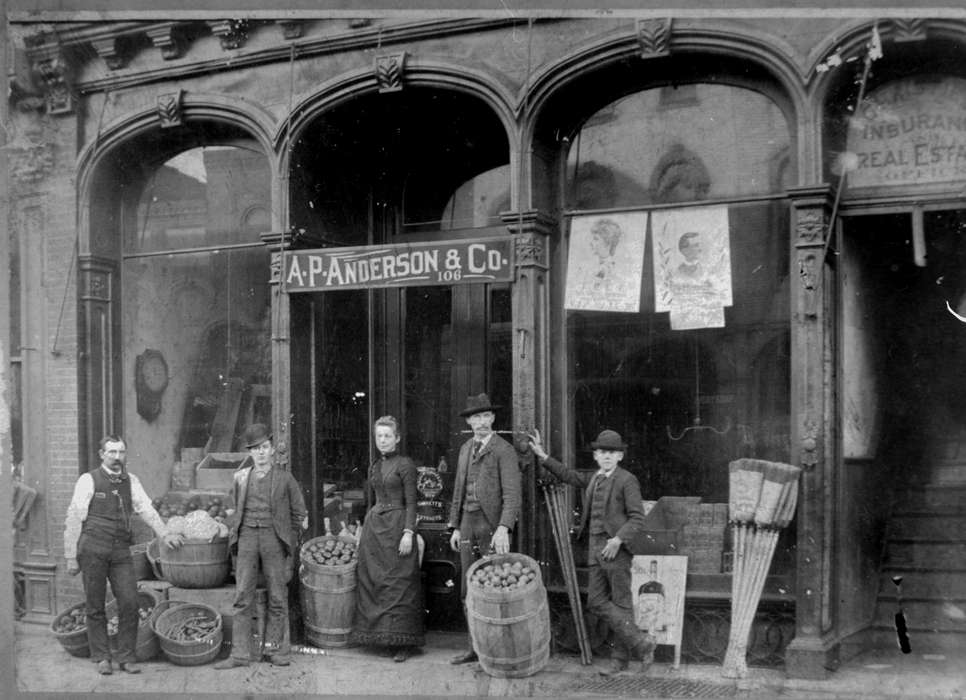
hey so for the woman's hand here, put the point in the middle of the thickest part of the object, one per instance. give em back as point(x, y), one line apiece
point(406, 544)
point(536, 446)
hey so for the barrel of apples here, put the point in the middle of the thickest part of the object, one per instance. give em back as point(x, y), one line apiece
point(327, 575)
point(508, 616)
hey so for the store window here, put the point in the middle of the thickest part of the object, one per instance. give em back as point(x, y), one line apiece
point(195, 305)
point(677, 288)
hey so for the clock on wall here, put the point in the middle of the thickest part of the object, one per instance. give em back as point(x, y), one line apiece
point(150, 381)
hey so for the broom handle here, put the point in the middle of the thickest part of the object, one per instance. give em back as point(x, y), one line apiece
point(564, 527)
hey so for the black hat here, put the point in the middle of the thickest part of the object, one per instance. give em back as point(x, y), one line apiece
point(608, 440)
point(256, 434)
point(478, 404)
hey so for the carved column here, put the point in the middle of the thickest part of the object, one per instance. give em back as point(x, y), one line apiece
point(814, 649)
point(99, 366)
point(531, 230)
point(281, 349)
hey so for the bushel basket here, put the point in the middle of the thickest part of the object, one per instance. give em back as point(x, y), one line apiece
point(190, 634)
point(74, 640)
point(196, 563)
point(507, 615)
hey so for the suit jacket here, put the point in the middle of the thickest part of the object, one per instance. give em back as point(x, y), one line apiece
point(497, 484)
point(285, 501)
point(623, 505)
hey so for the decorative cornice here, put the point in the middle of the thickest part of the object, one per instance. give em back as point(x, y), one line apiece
point(532, 221)
point(110, 49)
point(908, 29)
point(233, 33)
point(291, 28)
point(169, 109)
point(54, 71)
point(167, 37)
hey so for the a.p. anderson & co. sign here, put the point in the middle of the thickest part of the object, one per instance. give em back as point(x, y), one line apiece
point(399, 265)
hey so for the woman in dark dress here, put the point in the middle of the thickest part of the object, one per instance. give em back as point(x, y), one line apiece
point(389, 606)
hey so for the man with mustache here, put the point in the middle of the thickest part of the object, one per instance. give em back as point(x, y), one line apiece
point(97, 543)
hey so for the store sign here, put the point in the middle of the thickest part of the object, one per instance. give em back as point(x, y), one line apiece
point(400, 265)
point(910, 131)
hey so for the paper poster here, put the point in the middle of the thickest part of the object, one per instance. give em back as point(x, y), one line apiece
point(657, 589)
point(692, 265)
point(605, 262)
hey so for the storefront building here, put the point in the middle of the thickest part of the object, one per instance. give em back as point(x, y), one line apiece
point(629, 223)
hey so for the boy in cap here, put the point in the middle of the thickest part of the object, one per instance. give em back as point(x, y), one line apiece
point(264, 529)
point(614, 511)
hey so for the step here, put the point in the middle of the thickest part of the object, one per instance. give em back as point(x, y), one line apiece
point(923, 584)
point(928, 526)
point(950, 644)
point(925, 615)
point(925, 553)
point(931, 498)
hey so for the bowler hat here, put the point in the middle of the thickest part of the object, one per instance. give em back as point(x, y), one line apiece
point(608, 440)
point(478, 404)
point(256, 434)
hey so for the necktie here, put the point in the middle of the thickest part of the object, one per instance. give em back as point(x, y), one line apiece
point(476, 448)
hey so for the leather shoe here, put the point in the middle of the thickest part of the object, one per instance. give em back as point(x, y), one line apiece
point(613, 667)
point(401, 655)
point(230, 662)
point(464, 658)
point(129, 667)
point(279, 660)
point(104, 667)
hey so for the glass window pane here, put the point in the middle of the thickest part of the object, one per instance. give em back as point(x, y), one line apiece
point(207, 196)
point(208, 315)
point(679, 144)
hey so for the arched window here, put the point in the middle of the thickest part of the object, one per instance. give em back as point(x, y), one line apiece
point(676, 288)
point(195, 306)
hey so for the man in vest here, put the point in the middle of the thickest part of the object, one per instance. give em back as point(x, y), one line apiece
point(97, 542)
point(613, 514)
point(486, 494)
point(270, 514)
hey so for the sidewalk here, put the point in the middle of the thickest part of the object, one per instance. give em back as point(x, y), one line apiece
point(44, 667)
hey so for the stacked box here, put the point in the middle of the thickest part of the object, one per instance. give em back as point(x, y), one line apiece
point(703, 537)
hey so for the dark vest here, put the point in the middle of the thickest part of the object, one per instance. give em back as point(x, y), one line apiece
point(597, 506)
point(109, 512)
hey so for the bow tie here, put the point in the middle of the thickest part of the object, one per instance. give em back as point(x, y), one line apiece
point(117, 478)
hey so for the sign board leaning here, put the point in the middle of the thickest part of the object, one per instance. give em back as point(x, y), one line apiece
point(464, 261)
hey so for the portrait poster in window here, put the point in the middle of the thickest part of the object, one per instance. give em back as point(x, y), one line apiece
point(657, 591)
point(692, 265)
point(605, 262)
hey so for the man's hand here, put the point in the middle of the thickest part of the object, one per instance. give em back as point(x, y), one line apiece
point(73, 568)
point(172, 539)
point(536, 446)
point(501, 540)
point(454, 541)
point(611, 548)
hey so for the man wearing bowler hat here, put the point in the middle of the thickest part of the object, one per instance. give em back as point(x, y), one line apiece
point(486, 494)
point(614, 512)
point(264, 529)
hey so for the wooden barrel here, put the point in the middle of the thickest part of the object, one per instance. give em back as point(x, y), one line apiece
point(328, 595)
point(196, 563)
point(75, 641)
point(192, 652)
point(146, 646)
point(510, 627)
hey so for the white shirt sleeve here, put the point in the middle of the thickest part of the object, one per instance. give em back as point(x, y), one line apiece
point(141, 504)
point(77, 514)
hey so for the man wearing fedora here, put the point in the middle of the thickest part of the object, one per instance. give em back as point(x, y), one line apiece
point(264, 529)
point(614, 511)
point(486, 494)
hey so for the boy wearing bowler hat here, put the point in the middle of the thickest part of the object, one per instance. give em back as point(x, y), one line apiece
point(486, 494)
point(614, 512)
point(264, 530)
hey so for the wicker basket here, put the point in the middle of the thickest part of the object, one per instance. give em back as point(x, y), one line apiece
point(74, 642)
point(193, 652)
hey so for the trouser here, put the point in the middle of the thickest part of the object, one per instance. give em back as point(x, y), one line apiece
point(609, 598)
point(475, 536)
point(102, 560)
point(260, 545)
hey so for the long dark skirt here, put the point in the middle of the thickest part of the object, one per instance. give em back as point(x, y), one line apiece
point(389, 599)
